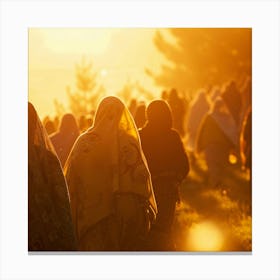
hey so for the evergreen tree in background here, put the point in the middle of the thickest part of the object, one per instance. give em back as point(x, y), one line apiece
point(201, 57)
point(85, 98)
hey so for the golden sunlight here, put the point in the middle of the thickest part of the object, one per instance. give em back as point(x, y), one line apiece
point(118, 56)
point(205, 236)
point(232, 159)
point(73, 40)
point(103, 73)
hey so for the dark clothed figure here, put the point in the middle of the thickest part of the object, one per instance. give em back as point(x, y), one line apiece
point(178, 110)
point(132, 106)
point(50, 225)
point(198, 109)
point(232, 98)
point(140, 115)
point(168, 164)
point(164, 95)
point(64, 139)
point(49, 126)
point(218, 135)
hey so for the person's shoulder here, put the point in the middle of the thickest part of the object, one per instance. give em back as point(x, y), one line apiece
point(174, 133)
point(83, 139)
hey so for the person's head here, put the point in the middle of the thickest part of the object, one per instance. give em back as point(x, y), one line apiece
point(37, 134)
point(173, 95)
point(132, 106)
point(218, 106)
point(50, 127)
point(159, 114)
point(68, 124)
point(112, 116)
point(110, 108)
point(164, 95)
point(140, 115)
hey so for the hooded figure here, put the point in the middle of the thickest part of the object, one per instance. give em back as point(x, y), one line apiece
point(198, 109)
point(168, 164)
point(64, 139)
point(112, 198)
point(140, 115)
point(218, 135)
point(50, 225)
point(178, 109)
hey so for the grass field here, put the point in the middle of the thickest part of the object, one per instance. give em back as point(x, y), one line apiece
point(214, 218)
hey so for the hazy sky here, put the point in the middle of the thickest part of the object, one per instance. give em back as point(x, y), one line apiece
point(118, 55)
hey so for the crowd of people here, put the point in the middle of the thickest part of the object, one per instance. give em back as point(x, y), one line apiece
point(111, 181)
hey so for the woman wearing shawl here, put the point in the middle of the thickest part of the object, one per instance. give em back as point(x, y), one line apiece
point(168, 164)
point(64, 139)
point(217, 137)
point(50, 225)
point(110, 187)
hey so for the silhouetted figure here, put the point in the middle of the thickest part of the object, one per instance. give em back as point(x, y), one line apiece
point(132, 106)
point(56, 122)
point(199, 107)
point(110, 187)
point(178, 110)
point(140, 115)
point(214, 93)
point(50, 225)
point(64, 139)
point(218, 135)
point(168, 164)
point(164, 95)
point(89, 121)
point(49, 125)
point(246, 141)
point(232, 98)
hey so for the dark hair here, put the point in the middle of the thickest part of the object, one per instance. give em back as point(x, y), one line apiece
point(159, 114)
point(68, 123)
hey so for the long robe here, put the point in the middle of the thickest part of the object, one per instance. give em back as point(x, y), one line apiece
point(50, 225)
point(168, 164)
point(109, 182)
point(64, 139)
point(218, 135)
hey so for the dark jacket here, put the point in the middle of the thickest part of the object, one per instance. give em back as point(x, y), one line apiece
point(164, 152)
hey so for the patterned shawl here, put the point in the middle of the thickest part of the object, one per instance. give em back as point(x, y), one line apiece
point(107, 159)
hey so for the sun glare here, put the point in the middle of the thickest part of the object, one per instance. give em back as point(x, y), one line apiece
point(205, 236)
point(232, 159)
point(103, 73)
point(73, 40)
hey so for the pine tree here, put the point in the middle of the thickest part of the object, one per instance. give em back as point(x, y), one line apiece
point(84, 99)
point(201, 57)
